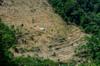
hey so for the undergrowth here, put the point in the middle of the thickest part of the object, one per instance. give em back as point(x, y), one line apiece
point(7, 40)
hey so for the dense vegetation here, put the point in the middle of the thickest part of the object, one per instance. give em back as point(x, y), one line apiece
point(7, 40)
point(85, 14)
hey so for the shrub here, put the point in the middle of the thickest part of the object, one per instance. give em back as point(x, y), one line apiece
point(7, 36)
point(7, 39)
point(30, 61)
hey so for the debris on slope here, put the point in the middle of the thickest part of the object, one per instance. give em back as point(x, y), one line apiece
point(40, 32)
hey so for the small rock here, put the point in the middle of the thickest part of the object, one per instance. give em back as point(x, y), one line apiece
point(16, 50)
point(42, 29)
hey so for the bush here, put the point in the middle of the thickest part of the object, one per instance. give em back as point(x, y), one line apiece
point(7, 39)
point(30, 61)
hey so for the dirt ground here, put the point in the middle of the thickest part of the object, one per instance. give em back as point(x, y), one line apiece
point(40, 31)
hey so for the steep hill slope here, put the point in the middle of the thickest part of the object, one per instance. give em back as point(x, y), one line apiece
point(40, 32)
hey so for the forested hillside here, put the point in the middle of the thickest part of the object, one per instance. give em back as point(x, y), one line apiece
point(49, 32)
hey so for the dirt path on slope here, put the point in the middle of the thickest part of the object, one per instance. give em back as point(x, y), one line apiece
point(40, 32)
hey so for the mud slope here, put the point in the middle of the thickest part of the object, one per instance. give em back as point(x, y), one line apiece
point(40, 32)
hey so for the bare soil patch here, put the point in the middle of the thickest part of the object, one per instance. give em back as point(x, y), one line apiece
point(42, 32)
